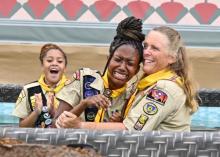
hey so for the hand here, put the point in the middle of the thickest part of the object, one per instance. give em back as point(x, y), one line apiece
point(98, 100)
point(38, 103)
point(116, 117)
point(50, 104)
point(68, 120)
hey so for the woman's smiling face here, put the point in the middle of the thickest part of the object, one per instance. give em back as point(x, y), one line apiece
point(157, 54)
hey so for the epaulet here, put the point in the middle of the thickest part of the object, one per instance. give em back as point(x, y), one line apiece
point(98, 72)
point(31, 84)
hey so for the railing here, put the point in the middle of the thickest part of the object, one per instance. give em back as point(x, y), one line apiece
point(199, 142)
point(125, 143)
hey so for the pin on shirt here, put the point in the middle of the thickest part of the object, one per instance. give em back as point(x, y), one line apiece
point(107, 93)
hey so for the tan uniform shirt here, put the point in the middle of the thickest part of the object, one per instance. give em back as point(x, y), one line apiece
point(22, 107)
point(160, 107)
point(73, 93)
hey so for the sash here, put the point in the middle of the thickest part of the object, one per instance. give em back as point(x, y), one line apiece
point(91, 111)
point(44, 120)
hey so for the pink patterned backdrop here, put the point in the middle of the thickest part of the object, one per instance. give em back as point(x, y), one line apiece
point(180, 12)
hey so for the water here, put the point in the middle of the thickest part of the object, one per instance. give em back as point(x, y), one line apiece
point(5, 114)
point(205, 117)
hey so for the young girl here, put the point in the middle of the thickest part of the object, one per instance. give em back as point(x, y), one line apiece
point(29, 109)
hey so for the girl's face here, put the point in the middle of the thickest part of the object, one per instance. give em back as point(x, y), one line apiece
point(53, 66)
point(156, 53)
point(123, 66)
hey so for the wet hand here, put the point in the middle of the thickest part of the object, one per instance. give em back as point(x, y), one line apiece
point(38, 103)
point(68, 120)
point(50, 104)
point(116, 117)
point(98, 100)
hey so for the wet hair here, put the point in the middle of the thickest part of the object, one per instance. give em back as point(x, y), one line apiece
point(129, 32)
point(181, 66)
point(48, 47)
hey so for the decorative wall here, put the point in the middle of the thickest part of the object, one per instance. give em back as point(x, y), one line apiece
point(181, 12)
point(93, 22)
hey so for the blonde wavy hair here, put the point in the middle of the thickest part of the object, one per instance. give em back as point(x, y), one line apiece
point(181, 66)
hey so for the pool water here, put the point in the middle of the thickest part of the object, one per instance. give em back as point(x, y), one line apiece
point(205, 117)
point(208, 117)
point(5, 114)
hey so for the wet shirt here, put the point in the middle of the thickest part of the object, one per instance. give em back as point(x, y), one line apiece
point(159, 107)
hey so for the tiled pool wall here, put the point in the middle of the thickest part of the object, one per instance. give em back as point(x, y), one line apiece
point(208, 115)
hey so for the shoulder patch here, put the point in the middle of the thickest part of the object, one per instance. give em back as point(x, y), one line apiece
point(150, 108)
point(21, 96)
point(76, 75)
point(141, 122)
point(157, 95)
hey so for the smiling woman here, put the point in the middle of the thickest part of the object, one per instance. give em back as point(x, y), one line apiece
point(29, 107)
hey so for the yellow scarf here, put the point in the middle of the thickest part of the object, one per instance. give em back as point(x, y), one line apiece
point(48, 89)
point(148, 81)
point(58, 87)
point(115, 93)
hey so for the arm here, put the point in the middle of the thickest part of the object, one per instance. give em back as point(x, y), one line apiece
point(63, 106)
point(69, 120)
point(97, 100)
point(30, 120)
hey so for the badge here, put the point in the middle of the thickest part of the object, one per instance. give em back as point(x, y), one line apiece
point(32, 98)
point(107, 92)
point(46, 115)
point(76, 75)
point(150, 108)
point(91, 116)
point(48, 121)
point(45, 109)
point(87, 85)
point(141, 122)
point(157, 96)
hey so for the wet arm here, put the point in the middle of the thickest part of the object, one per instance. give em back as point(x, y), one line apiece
point(30, 120)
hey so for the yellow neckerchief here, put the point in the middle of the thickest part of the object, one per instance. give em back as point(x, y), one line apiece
point(48, 89)
point(115, 93)
point(149, 80)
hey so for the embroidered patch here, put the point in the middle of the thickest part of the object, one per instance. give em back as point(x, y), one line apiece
point(32, 98)
point(141, 122)
point(91, 116)
point(157, 96)
point(76, 75)
point(21, 97)
point(150, 108)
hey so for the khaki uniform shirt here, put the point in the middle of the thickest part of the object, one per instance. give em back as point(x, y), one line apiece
point(22, 107)
point(73, 93)
point(160, 107)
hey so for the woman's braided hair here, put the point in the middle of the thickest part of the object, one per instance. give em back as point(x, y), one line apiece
point(129, 32)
